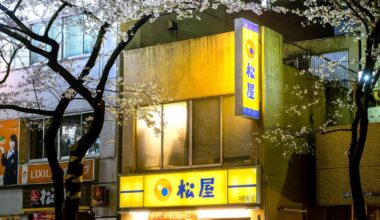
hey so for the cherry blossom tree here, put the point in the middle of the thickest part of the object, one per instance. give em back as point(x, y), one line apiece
point(358, 18)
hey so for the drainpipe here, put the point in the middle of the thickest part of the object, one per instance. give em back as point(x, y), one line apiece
point(119, 134)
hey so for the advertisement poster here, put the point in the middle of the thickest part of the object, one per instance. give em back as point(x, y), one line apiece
point(9, 131)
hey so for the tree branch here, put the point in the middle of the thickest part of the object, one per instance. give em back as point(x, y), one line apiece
point(335, 130)
point(84, 11)
point(52, 19)
point(25, 29)
point(27, 110)
point(35, 95)
point(9, 63)
point(17, 5)
point(95, 52)
point(119, 48)
point(358, 16)
point(4, 29)
point(364, 10)
point(70, 79)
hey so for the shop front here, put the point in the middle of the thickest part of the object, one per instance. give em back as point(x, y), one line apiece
point(199, 194)
point(38, 192)
point(38, 201)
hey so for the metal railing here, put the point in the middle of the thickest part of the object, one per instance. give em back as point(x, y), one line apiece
point(317, 65)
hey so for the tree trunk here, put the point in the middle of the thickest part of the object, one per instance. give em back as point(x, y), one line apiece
point(56, 170)
point(51, 154)
point(359, 127)
point(359, 132)
point(357, 193)
point(74, 173)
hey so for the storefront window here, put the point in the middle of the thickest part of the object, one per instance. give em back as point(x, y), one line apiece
point(206, 131)
point(70, 133)
point(36, 139)
point(175, 135)
point(195, 133)
point(238, 139)
point(37, 129)
point(148, 142)
point(72, 129)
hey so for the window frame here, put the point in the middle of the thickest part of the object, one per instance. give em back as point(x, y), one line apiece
point(62, 39)
point(59, 156)
point(190, 165)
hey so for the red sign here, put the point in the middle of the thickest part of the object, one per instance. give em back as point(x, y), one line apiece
point(34, 196)
point(98, 196)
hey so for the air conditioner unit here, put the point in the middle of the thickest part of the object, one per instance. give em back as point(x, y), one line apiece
point(374, 114)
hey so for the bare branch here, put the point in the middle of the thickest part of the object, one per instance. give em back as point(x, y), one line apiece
point(70, 79)
point(35, 95)
point(86, 12)
point(9, 63)
point(119, 48)
point(335, 130)
point(17, 5)
point(4, 29)
point(95, 51)
point(25, 29)
point(27, 110)
point(52, 19)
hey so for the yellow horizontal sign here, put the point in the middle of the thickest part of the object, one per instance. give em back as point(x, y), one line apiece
point(201, 188)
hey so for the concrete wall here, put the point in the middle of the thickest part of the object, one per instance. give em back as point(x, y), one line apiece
point(219, 21)
point(204, 67)
point(332, 166)
point(195, 68)
point(11, 202)
point(284, 177)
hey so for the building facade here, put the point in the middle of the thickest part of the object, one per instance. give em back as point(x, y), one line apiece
point(30, 195)
point(164, 173)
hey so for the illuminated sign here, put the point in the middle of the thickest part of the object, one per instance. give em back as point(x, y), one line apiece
point(247, 69)
point(175, 215)
point(41, 173)
point(186, 189)
point(201, 188)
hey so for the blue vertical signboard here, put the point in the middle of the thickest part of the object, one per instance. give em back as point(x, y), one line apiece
point(247, 71)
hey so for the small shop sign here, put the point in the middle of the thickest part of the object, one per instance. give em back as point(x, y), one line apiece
point(42, 196)
point(99, 196)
